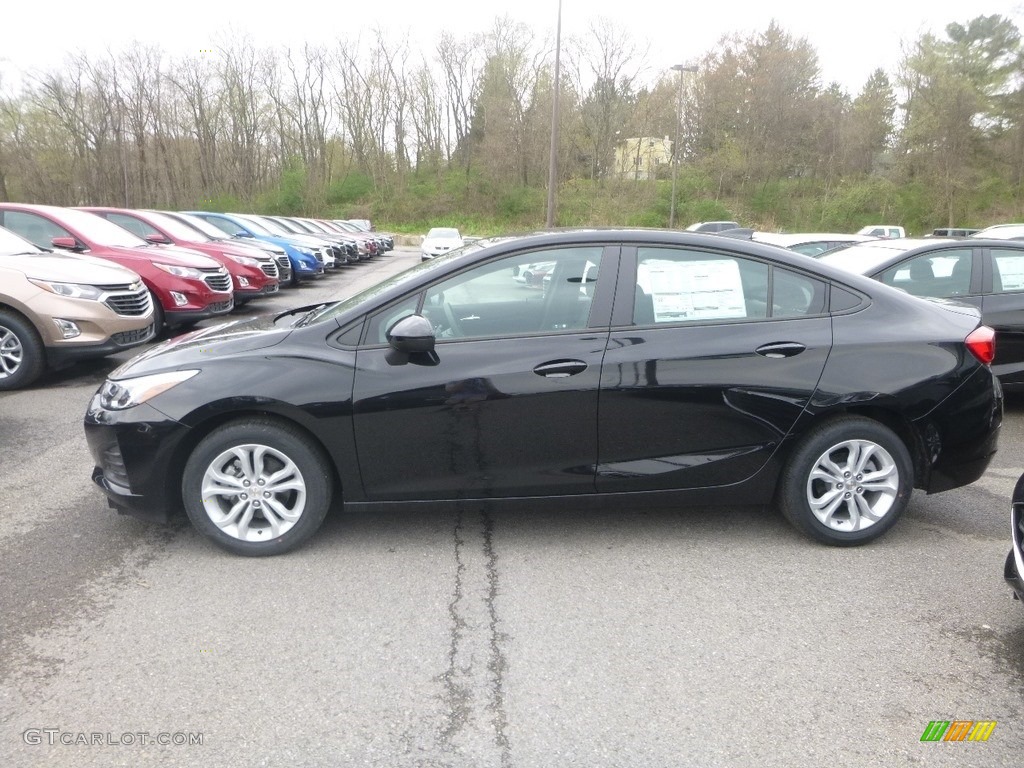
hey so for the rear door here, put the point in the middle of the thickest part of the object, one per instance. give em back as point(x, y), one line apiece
point(711, 358)
point(1003, 310)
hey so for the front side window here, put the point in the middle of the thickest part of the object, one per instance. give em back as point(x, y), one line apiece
point(536, 292)
point(34, 228)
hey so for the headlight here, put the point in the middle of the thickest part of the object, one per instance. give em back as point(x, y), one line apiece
point(71, 290)
point(244, 260)
point(127, 393)
point(195, 274)
point(305, 251)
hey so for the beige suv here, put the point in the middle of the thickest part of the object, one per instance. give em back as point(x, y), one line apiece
point(57, 308)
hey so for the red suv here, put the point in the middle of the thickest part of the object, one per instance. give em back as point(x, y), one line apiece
point(253, 272)
point(187, 286)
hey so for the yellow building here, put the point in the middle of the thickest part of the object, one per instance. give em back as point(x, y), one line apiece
point(645, 157)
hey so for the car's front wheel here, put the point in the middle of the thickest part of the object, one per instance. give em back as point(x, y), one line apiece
point(257, 487)
point(847, 482)
point(22, 356)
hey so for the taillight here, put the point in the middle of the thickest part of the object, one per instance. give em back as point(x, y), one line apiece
point(982, 343)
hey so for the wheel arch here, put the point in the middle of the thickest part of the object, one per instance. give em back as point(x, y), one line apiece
point(202, 429)
point(895, 421)
point(22, 312)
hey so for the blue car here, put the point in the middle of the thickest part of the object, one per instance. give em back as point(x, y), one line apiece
point(306, 259)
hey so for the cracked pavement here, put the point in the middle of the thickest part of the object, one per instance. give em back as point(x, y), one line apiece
point(481, 638)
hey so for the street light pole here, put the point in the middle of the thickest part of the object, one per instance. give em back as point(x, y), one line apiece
point(680, 68)
point(553, 163)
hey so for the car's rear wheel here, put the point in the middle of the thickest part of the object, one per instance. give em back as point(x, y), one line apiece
point(22, 355)
point(847, 482)
point(257, 487)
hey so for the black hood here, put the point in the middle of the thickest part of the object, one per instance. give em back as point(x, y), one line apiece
point(192, 350)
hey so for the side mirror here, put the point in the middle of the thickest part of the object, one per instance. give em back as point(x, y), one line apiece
point(242, 233)
point(412, 333)
point(65, 243)
point(158, 239)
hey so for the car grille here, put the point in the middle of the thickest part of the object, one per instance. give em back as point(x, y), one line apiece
point(128, 300)
point(132, 337)
point(284, 267)
point(270, 288)
point(221, 306)
point(217, 279)
point(269, 268)
point(114, 469)
point(318, 255)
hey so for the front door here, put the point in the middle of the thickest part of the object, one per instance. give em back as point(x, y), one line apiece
point(507, 405)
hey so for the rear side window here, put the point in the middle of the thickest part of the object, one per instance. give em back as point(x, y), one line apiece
point(682, 286)
point(938, 275)
point(1008, 270)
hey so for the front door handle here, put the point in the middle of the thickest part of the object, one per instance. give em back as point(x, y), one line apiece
point(781, 349)
point(560, 369)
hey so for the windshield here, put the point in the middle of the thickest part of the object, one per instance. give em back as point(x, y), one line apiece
point(269, 227)
point(11, 244)
point(442, 232)
point(291, 226)
point(862, 258)
point(331, 311)
point(256, 226)
point(176, 229)
point(99, 230)
point(196, 223)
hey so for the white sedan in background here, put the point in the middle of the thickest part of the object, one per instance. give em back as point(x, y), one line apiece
point(440, 240)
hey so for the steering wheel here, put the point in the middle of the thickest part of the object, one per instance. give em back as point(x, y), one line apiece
point(453, 324)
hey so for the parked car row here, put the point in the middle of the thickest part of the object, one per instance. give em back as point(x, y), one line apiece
point(114, 278)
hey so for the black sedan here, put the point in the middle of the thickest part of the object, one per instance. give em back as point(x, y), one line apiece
point(653, 368)
point(987, 274)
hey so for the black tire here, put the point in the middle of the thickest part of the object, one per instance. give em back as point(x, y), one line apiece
point(257, 538)
point(22, 355)
point(884, 486)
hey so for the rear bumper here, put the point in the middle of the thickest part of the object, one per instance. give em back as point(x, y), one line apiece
point(961, 435)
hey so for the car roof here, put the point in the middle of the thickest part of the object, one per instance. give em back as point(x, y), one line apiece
point(868, 258)
point(787, 239)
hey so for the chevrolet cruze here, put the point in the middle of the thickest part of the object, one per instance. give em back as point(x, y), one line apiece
point(650, 368)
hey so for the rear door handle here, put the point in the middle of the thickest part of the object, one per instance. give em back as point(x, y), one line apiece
point(560, 369)
point(781, 349)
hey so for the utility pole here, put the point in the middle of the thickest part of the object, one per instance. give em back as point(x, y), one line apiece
point(680, 68)
point(553, 165)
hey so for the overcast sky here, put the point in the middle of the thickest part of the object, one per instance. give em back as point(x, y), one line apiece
point(851, 38)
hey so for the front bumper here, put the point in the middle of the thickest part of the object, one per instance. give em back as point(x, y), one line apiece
point(64, 354)
point(213, 309)
point(134, 456)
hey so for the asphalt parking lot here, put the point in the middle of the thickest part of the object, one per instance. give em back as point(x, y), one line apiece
point(628, 638)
